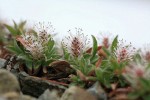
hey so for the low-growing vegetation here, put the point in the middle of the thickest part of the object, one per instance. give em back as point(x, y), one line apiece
point(116, 64)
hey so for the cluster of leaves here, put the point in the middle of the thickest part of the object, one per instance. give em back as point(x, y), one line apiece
point(16, 29)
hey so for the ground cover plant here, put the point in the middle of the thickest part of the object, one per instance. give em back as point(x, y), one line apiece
point(121, 69)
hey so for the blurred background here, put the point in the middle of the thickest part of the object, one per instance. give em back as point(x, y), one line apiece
point(130, 19)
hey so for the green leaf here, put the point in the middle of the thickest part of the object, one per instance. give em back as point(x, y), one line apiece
point(87, 56)
point(105, 63)
point(11, 30)
point(115, 65)
point(37, 64)
point(99, 74)
point(146, 97)
point(133, 95)
point(50, 54)
point(24, 57)
point(114, 44)
point(66, 55)
point(51, 44)
point(106, 51)
point(94, 59)
point(95, 47)
point(29, 64)
point(12, 49)
point(22, 24)
point(145, 83)
point(15, 25)
point(15, 48)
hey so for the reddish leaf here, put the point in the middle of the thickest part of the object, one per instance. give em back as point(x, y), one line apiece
point(20, 39)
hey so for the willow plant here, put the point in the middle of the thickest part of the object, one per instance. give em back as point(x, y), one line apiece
point(137, 75)
point(118, 55)
point(35, 48)
point(75, 52)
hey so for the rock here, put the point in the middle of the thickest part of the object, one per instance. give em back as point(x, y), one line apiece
point(47, 95)
point(11, 96)
point(14, 72)
point(97, 91)
point(35, 86)
point(16, 96)
point(8, 82)
point(2, 63)
point(76, 93)
point(2, 98)
point(9, 87)
point(26, 97)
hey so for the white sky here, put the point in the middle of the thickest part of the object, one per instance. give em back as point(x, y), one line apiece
point(129, 19)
